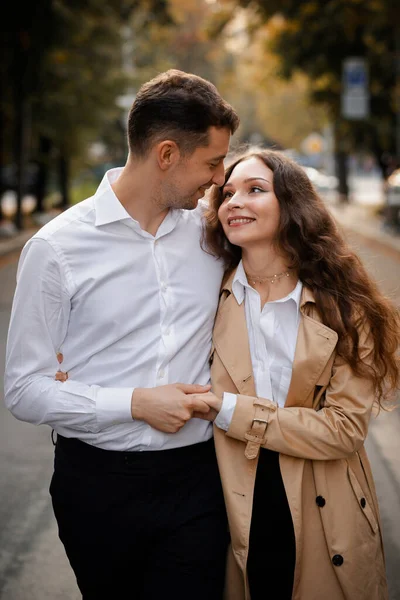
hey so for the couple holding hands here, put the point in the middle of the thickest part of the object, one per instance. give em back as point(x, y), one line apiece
point(256, 485)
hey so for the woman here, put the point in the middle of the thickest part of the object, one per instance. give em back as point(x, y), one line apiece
point(304, 346)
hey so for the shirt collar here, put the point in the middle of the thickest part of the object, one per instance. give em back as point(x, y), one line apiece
point(109, 209)
point(239, 283)
point(294, 295)
point(107, 206)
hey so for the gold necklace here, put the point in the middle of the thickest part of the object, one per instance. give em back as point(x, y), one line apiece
point(270, 278)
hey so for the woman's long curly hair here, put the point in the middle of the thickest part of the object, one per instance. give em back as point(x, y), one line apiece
point(345, 294)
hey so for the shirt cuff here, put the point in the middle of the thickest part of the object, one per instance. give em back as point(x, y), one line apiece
point(224, 417)
point(113, 406)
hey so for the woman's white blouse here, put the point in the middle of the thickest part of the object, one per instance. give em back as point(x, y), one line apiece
point(272, 340)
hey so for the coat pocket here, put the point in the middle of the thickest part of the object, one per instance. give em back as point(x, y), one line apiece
point(362, 501)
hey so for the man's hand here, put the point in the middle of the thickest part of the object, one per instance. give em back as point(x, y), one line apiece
point(213, 402)
point(168, 407)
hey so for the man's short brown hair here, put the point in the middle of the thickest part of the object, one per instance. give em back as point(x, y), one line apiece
point(178, 106)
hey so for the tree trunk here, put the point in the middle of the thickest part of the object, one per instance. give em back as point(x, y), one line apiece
point(2, 163)
point(20, 157)
point(22, 118)
point(342, 174)
point(63, 166)
point(43, 172)
point(341, 168)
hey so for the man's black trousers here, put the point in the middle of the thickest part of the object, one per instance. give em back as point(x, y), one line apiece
point(141, 525)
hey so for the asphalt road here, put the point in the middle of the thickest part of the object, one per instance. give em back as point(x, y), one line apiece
point(32, 561)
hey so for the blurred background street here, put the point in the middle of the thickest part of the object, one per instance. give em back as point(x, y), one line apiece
point(319, 80)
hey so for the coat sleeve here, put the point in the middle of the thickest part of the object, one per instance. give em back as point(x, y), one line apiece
point(335, 431)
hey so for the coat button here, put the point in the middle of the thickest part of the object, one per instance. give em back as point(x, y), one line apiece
point(337, 560)
point(320, 500)
point(363, 502)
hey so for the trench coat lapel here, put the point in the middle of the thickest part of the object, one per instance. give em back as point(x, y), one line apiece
point(314, 347)
point(231, 341)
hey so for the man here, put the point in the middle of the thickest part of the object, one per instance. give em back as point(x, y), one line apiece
point(119, 286)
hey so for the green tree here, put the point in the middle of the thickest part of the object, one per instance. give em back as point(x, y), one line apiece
point(206, 40)
point(264, 100)
point(63, 62)
point(315, 36)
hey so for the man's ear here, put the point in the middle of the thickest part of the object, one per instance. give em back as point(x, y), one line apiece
point(167, 154)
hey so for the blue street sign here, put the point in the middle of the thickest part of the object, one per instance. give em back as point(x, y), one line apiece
point(355, 88)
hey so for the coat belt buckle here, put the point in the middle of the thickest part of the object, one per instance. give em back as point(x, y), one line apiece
point(260, 421)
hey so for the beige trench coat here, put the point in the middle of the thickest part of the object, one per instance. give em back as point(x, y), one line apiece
point(319, 435)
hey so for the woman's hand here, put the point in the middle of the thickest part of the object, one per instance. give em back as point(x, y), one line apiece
point(60, 375)
point(213, 402)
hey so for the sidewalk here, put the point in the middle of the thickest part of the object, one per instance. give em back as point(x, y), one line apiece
point(12, 240)
point(359, 218)
point(363, 220)
point(14, 243)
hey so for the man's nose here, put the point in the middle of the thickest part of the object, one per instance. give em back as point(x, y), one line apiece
point(219, 175)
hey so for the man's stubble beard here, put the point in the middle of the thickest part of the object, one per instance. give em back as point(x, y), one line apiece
point(168, 196)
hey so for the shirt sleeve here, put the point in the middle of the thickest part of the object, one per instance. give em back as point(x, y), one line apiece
point(39, 323)
point(224, 417)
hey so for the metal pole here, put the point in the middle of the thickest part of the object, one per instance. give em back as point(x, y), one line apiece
point(397, 59)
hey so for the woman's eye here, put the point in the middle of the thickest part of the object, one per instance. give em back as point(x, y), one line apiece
point(227, 195)
point(256, 188)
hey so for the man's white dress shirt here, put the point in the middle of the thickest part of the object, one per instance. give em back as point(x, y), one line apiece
point(125, 308)
point(272, 340)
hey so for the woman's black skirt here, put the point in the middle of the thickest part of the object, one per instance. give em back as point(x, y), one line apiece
point(272, 550)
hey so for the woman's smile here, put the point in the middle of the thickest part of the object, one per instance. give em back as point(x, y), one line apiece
point(239, 221)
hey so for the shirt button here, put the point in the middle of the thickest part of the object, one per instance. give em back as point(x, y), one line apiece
point(163, 286)
point(161, 374)
point(320, 500)
point(167, 331)
point(363, 502)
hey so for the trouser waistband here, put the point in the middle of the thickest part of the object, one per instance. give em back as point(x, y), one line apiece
point(87, 455)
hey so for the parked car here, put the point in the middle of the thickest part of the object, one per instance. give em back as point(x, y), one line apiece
point(392, 213)
point(322, 181)
point(393, 182)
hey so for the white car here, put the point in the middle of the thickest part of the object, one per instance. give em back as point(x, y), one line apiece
point(323, 182)
point(393, 188)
